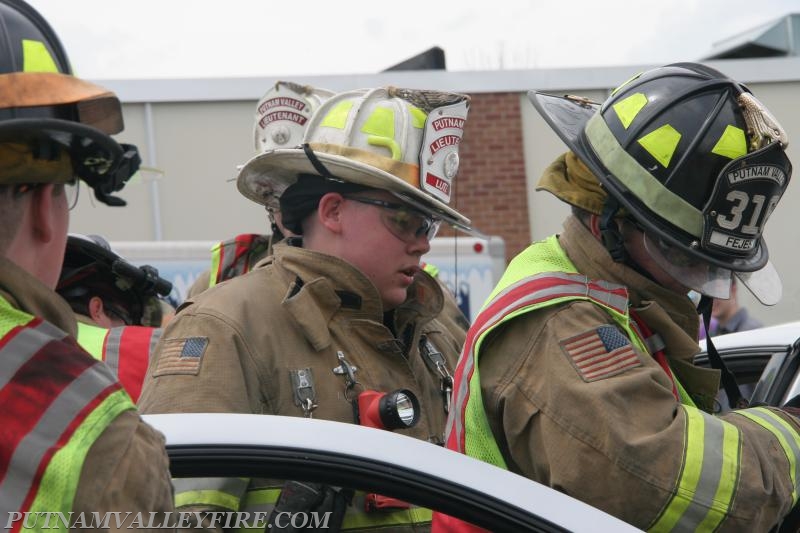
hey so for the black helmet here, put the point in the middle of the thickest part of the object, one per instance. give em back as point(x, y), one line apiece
point(692, 157)
point(53, 114)
point(91, 268)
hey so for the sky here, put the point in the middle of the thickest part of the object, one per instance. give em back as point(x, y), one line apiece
point(109, 39)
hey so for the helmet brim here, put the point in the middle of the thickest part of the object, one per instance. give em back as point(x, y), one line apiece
point(266, 176)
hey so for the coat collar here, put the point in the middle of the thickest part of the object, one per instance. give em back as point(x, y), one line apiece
point(321, 286)
point(27, 293)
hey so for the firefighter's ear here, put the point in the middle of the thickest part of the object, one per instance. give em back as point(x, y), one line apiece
point(329, 211)
point(45, 216)
point(96, 312)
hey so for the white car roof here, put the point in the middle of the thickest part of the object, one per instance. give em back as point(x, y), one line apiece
point(779, 335)
point(226, 429)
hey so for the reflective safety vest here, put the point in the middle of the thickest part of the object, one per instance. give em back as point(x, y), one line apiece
point(125, 349)
point(236, 256)
point(56, 402)
point(235, 494)
point(542, 276)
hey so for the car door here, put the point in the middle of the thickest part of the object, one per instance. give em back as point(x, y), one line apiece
point(374, 461)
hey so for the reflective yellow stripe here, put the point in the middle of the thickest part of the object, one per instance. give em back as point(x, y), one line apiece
point(731, 452)
point(732, 143)
point(337, 116)
point(215, 258)
point(36, 58)
point(91, 338)
point(433, 270)
point(261, 497)
point(207, 497)
point(358, 518)
point(379, 128)
point(787, 437)
point(661, 143)
point(629, 107)
point(641, 183)
point(222, 492)
point(706, 485)
point(418, 116)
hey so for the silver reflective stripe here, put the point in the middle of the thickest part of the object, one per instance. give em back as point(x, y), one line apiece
point(708, 477)
point(23, 346)
point(153, 341)
point(639, 181)
point(58, 416)
point(787, 437)
point(111, 350)
point(655, 343)
point(710, 473)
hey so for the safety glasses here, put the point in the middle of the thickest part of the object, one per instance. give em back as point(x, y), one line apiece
point(405, 223)
point(71, 190)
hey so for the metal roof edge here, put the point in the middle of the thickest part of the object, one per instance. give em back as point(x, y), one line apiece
point(760, 70)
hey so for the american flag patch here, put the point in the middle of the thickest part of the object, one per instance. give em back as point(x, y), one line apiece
point(181, 356)
point(600, 353)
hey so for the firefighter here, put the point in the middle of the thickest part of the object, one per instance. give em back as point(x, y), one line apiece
point(350, 312)
point(73, 441)
point(117, 305)
point(238, 255)
point(578, 373)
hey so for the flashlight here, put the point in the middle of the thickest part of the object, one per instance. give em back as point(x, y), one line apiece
point(393, 410)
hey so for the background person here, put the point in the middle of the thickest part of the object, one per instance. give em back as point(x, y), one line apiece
point(117, 305)
point(730, 317)
point(97, 455)
point(578, 373)
point(348, 307)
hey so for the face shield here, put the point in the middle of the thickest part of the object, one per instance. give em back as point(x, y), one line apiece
point(690, 271)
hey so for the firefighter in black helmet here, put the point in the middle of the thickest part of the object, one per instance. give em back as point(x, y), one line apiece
point(578, 373)
point(117, 305)
point(73, 442)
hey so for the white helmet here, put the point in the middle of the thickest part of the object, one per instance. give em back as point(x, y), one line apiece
point(401, 140)
point(282, 114)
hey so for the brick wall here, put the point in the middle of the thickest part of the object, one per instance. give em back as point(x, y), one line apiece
point(490, 186)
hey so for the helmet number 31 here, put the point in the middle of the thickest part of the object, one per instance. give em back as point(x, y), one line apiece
point(741, 201)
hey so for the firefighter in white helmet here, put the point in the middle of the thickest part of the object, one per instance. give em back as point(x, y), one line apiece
point(342, 311)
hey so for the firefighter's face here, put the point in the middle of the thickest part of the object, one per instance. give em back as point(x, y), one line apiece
point(375, 248)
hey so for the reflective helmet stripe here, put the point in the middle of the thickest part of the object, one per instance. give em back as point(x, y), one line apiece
point(639, 181)
point(36, 58)
point(709, 473)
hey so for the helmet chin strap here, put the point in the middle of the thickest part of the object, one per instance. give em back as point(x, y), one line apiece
point(735, 398)
point(612, 238)
point(609, 231)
